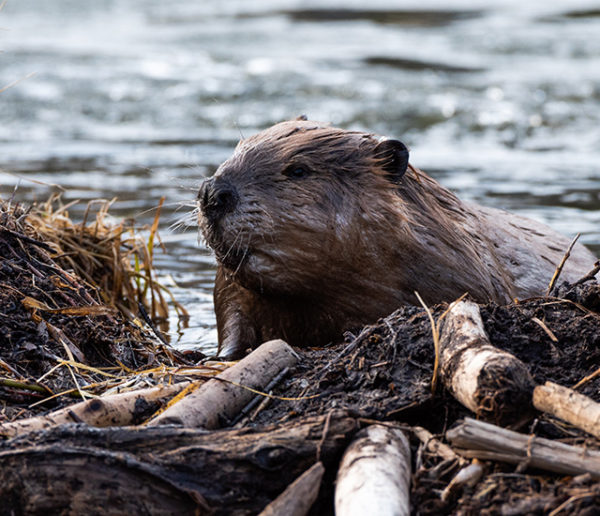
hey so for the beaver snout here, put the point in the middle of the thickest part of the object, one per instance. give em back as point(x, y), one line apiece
point(217, 197)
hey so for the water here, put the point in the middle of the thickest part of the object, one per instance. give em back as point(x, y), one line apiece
point(139, 99)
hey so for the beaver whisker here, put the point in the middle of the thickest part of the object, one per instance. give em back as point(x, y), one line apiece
point(233, 244)
point(244, 254)
point(185, 221)
point(269, 216)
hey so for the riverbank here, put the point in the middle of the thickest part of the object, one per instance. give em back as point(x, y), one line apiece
point(72, 330)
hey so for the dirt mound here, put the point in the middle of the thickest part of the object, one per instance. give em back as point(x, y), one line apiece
point(68, 299)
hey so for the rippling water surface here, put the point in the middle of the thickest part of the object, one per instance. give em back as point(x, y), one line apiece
point(139, 99)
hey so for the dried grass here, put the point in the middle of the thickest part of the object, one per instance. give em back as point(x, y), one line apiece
point(70, 295)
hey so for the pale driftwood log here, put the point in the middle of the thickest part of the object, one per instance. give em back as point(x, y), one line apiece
point(114, 410)
point(299, 496)
point(374, 475)
point(164, 470)
point(490, 382)
point(568, 405)
point(487, 441)
point(219, 400)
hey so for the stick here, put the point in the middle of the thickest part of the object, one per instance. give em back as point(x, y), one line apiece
point(487, 441)
point(559, 269)
point(587, 379)
point(299, 496)
point(490, 382)
point(374, 475)
point(113, 410)
point(468, 476)
point(590, 275)
point(219, 400)
point(258, 398)
point(568, 405)
point(434, 445)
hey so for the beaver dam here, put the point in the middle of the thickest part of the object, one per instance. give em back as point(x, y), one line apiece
point(449, 409)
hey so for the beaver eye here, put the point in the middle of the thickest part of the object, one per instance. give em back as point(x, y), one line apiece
point(296, 172)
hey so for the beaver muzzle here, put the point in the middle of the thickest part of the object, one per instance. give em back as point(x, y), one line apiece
point(217, 197)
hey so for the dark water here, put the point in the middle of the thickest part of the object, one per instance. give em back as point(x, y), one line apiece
point(139, 99)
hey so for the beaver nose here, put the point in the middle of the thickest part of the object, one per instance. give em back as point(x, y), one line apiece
point(217, 197)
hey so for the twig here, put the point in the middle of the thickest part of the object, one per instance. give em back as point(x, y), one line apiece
point(14, 83)
point(435, 332)
point(587, 379)
point(6, 382)
point(150, 323)
point(324, 436)
point(10, 369)
point(27, 239)
point(569, 501)
point(258, 398)
point(590, 275)
point(350, 347)
point(559, 269)
point(547, 330)
point(435, 445)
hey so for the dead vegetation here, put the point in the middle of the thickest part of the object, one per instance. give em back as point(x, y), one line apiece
point(70, 295)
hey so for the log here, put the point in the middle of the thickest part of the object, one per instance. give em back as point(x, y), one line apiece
point(219, 400)
point(77, 469)
point(486, 441)
point(568, 405)
point(374, 475)
point(490, 382)
point(299, 496)
point(126, 408)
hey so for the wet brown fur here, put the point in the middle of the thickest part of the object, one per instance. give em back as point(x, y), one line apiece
point(305, 259)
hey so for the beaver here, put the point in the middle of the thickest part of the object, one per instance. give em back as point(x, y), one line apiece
point(318, 230)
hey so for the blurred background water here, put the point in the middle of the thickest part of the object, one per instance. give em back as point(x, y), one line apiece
point(138, 99)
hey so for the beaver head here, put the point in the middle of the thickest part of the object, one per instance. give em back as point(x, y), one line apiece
point(300, 203)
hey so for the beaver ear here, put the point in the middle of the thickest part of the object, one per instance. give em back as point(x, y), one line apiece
point(302, 118)
point(392, 156)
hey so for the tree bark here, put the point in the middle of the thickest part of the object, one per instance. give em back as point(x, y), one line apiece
point(490, 382)
point(374, 476)
point(219, 400)
point(76, 469)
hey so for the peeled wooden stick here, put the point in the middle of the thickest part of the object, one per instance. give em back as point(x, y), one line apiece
point(113, 410)
point(374, 476)
point(299, 496)
point(485, 379)
point(490, 442)
point(467, 476)
point(221, 398)
point(568, 405)
point(434, 445)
